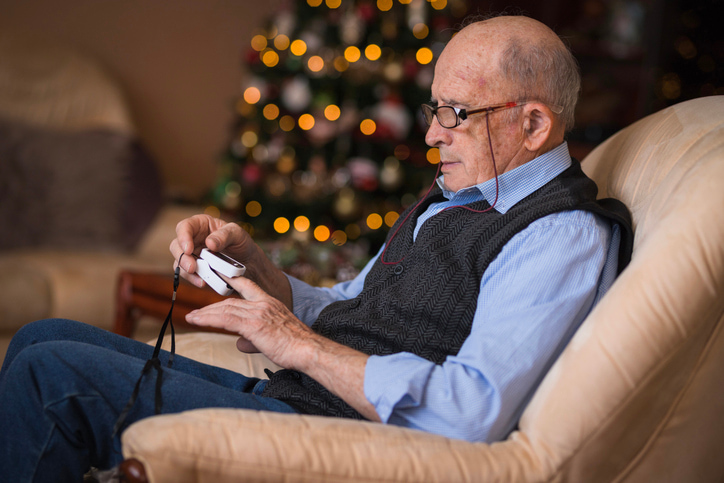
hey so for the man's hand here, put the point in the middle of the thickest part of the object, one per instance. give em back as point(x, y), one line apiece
point(204, 231)
point(266, 325)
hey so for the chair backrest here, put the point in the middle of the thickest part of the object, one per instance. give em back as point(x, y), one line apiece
point(54, 86)
point(638, 395)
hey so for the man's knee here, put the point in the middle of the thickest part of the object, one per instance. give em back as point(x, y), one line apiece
point(39, 352)
point(44, 331)
point(45, 365)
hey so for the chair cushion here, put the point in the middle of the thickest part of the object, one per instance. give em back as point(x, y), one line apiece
point(91, 189)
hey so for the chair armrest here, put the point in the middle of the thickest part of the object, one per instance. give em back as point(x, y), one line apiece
point(225, 445)
point(219, 350)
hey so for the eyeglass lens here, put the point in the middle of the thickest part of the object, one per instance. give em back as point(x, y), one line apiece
point(446, 115)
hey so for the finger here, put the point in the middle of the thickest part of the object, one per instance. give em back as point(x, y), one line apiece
point(246, 288)
point(244, 345)
point(214, 315)
point(191, 232)
point(227, 236)
point(188, 267)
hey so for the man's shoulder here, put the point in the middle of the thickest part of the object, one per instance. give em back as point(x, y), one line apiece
point(578, 218)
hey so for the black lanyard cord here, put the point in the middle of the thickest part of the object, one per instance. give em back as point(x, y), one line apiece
point(154, 362)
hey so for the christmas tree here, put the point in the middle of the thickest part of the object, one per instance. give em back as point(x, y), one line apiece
point(328, 145)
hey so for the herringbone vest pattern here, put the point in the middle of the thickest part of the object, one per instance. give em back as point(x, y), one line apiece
point(425, 304)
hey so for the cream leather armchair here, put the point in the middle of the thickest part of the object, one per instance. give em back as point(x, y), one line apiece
point(638, 395)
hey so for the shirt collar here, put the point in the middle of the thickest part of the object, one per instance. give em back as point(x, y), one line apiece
point(518, 183)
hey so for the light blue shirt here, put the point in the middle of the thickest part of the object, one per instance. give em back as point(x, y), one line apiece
point(533, 297)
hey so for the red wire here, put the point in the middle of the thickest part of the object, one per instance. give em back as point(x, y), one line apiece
point(497, 190)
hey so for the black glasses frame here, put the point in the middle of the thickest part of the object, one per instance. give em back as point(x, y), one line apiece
point(429, 111)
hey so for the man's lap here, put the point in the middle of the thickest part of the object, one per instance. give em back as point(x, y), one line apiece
point(114, 363)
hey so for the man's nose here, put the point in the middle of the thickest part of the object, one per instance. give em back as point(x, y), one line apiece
point(436, 134)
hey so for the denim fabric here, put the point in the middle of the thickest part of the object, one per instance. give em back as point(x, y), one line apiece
point(64, 383)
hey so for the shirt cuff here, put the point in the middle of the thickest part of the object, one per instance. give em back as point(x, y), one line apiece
point(386, 390)
point(304, 301)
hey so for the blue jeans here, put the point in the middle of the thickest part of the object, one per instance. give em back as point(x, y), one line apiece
point(64, 383)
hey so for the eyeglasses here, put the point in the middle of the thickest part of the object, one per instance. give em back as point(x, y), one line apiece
point(450, 117)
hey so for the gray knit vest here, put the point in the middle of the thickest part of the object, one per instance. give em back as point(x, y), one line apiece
point(425, 304)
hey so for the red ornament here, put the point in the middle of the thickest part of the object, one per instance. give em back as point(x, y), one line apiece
point(251, 173)
point(366, 11)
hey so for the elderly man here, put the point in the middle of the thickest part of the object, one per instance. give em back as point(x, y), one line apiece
point(449, 329)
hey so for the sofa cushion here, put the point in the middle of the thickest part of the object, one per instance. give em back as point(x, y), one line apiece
point(90, 189)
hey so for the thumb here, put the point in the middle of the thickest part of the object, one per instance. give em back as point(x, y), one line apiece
point(228, 235)
point(244, 345)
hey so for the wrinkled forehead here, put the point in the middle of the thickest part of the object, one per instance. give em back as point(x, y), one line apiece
point(467, 70)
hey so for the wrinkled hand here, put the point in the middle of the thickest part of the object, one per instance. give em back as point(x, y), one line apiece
point(200, 231)
point(264, 323)
point(203, 231)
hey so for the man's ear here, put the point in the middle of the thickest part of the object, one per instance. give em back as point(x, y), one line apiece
point(539, 126)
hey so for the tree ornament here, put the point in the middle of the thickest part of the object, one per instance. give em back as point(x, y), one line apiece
point(391, 176)
point(364, 173)
point(252, 174)
point(296, 94)
point(352, 28)
point(393, 119)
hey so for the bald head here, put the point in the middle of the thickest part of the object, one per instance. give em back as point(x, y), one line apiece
point(521, 58)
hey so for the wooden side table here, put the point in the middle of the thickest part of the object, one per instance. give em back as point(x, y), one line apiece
point(145, 293)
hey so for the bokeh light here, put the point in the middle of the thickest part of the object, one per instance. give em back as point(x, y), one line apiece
point(281, 225)
point(306, 121)
point(339, 237)
point(384, 5)
point(252, 95)
point(315, 63)
point(424, 55)
point(374, 221)
point(212, 211)
point(281, 42)
point(321, 233)
point(258, 42)
point(420, 31)
point(391, 217)
point(332, 112)
point(373, 52)
point(298, 47)
point(249, 139)
point(287, 123)
point(341, 64)
point(367, 127)
point(352, 54)
point(301, 223)
point(253, 208)
point(270, 58)
point(433, 155)
point(271, 111)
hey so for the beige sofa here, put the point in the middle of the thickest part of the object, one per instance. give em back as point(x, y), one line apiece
point(79, 197)
point(636, 396)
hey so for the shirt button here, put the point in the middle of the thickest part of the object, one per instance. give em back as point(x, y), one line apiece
point(399, 269)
